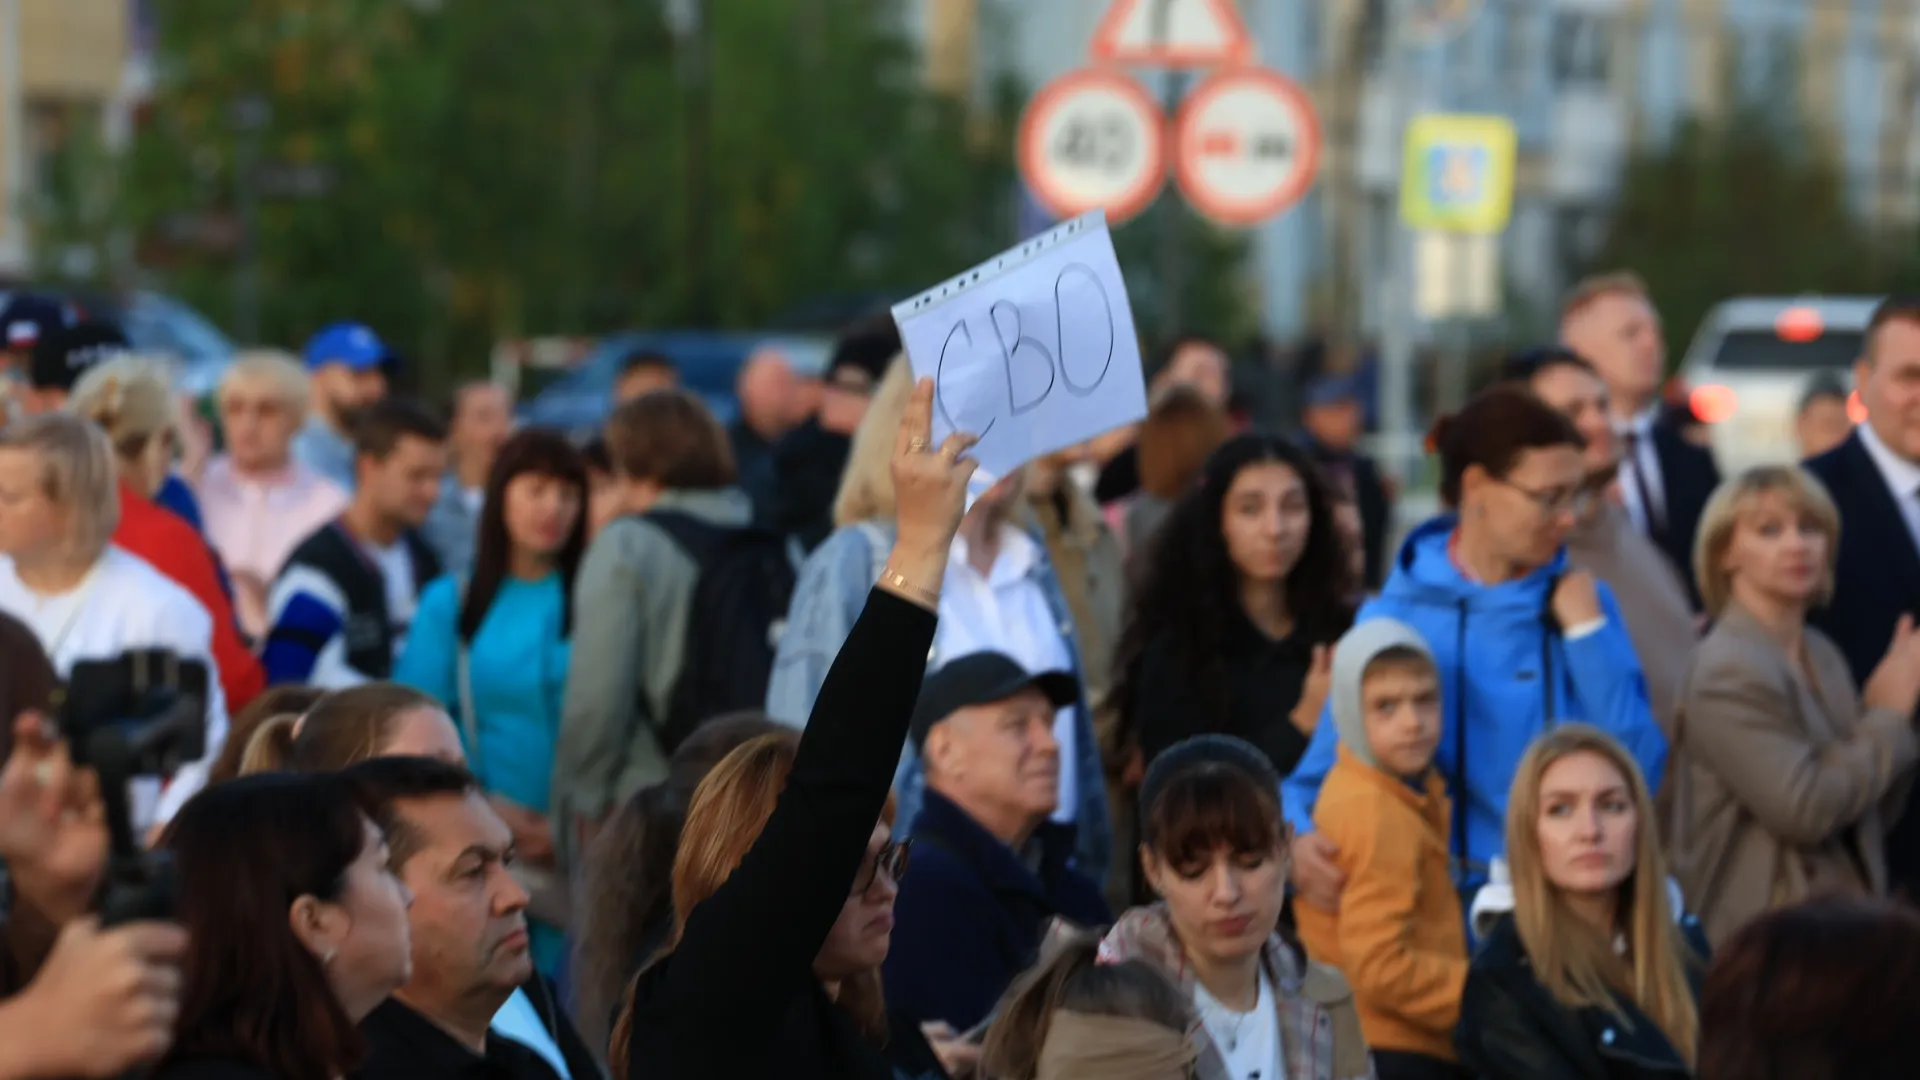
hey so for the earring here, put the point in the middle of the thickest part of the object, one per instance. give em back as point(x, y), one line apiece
point(326, 958)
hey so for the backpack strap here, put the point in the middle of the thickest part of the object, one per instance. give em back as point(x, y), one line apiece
point(463, 664)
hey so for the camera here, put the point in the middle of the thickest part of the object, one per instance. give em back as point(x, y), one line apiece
point(140, 714)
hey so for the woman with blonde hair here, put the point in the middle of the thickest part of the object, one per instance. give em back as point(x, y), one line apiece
point(1590, 974)
point(1787, 775)
point(1001, 594)
point(784, 883)
point(131, 398)
point(83, 597)
point(260, 501)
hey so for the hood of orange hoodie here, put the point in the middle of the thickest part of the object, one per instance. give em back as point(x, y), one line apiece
point(1351, 657)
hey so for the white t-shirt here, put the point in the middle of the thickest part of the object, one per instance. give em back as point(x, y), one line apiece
point(403, 593)
point(122, 604)
point(1249, 1042)
point(1006, 611)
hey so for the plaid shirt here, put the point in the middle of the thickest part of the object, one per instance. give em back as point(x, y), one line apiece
point(1318, 1025)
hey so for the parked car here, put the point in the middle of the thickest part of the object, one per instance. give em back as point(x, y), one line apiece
point(1754, 357)
point(709, 362)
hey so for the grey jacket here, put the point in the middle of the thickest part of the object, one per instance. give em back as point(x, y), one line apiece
point(832, 589)
point(630, 611)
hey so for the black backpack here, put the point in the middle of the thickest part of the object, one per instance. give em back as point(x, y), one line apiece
point(739, 611)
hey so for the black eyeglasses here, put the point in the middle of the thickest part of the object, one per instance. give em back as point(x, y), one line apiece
point(893, 859)
point(1575, 502)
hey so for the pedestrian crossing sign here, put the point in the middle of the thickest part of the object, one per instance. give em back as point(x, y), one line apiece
point(1458, 173)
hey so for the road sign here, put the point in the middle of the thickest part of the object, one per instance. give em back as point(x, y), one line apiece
point(1457, 173)
point(1093, 140)
point(1246, 146)
point(1173, 33)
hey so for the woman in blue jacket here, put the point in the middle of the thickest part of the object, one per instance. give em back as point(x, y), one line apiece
point(494, 649)
point(1522, 642)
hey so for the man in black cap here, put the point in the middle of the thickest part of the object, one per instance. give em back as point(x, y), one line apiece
point(25, 318)
point(990, 870)
point(64, 353)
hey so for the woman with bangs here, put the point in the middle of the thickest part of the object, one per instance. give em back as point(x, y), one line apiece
point(1788, 776)
point(1214, 849)
point(1594, 973)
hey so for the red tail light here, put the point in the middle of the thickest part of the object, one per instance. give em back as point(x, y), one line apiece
point(1712, 404)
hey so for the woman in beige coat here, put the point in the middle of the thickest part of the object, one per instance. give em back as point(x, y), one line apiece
point(1787, 776)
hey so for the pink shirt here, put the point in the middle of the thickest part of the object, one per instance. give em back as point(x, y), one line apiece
point(256, 522)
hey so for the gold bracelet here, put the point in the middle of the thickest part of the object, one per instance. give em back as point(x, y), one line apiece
point(899, 583)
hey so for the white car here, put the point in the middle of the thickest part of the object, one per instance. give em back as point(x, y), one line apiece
point(1755, 356)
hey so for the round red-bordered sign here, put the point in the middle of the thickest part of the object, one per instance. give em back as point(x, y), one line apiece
point(1093, 139)
point(1246, 146)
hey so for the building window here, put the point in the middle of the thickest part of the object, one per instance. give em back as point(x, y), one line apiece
point(1582, 49)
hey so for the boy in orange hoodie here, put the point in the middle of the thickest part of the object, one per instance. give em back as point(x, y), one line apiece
point(1399, 935)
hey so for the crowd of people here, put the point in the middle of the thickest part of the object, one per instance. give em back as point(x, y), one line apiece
point(761, 749)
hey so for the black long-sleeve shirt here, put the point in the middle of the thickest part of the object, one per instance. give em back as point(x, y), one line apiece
point(738, 997)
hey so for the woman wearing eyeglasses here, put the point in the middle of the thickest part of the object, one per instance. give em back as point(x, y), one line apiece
point(784, 883)
point(1522, 642)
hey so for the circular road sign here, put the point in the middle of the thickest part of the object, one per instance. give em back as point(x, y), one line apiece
point(1091, 140)
point(1246, 146)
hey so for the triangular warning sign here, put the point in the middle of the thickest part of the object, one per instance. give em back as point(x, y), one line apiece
point(1172, 33)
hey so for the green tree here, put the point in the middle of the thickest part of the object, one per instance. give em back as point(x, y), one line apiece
point(499, 169)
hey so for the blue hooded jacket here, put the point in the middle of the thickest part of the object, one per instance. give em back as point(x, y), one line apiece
point(1505, 677)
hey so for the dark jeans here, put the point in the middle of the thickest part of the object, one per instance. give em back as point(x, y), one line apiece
point(1399, 1065)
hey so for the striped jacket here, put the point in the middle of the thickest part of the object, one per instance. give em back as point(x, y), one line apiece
point(328, 624)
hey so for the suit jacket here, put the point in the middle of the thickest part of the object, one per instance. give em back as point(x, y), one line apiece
point(1783, 784)
point(1688, 476)
point(1877, 581)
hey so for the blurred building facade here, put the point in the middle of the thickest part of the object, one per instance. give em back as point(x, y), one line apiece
point(1584, 81)
point(64, 64)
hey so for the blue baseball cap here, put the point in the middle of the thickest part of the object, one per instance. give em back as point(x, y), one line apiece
point(350, 343)
point(1332, 390)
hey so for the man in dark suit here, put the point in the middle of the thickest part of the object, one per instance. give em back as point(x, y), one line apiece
point(1874, 478)
point(1665, 480)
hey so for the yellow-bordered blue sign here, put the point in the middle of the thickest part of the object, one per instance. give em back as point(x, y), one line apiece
point(1457, 173)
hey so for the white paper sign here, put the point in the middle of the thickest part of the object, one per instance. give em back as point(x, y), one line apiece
point(1033, 350)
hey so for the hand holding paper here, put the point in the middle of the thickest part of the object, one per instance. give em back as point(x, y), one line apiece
point(1033, 350)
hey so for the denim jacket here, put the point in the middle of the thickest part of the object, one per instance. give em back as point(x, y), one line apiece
point(832, 588)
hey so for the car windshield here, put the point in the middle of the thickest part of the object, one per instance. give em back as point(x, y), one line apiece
point(1764, 350)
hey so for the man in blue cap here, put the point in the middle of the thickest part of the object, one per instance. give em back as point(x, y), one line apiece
point(348, 365)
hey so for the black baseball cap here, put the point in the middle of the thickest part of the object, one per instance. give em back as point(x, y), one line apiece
point(979, 679)
point(25, 318)
point(65, 353)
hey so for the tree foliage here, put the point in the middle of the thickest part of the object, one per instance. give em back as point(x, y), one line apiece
point(564, 166)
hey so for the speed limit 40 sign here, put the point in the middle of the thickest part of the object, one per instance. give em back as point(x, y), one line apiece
point(1093, 140)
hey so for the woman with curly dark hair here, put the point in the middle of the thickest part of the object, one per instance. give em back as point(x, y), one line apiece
point(1247, 587)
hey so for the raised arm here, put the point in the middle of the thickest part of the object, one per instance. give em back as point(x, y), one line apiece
point(750, 947)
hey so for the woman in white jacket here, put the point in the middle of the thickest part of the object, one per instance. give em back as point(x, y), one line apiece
point(83, 598)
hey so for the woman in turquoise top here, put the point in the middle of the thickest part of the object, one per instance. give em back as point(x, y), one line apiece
point(494, 650)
